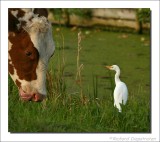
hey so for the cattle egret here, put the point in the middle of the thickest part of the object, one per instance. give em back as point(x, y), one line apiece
point(120, 91)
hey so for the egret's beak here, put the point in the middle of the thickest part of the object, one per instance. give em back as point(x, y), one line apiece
point(108, 67)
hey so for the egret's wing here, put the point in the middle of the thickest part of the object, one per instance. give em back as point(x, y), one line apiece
point(118, 94)
point(117, 98)
point(125, 94)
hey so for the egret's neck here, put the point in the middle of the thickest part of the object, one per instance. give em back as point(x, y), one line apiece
point(117, 76)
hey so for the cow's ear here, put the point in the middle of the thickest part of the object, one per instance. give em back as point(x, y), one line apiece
point(12, 22)
point(41, 12)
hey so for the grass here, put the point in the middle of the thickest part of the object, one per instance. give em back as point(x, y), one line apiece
point(64, 110)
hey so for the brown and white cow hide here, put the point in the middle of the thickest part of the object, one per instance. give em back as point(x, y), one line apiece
point(30, 47)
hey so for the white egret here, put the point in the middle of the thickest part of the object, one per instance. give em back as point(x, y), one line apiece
point(120, 91)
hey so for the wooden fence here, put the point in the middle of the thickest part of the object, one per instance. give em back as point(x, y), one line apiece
point(104, 17)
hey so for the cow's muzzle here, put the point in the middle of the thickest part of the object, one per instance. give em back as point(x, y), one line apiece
point(36, 97)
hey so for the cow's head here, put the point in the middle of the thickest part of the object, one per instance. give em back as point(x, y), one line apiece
point(30, 48)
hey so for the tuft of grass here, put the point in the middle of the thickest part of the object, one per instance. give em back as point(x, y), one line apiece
point(55, 76)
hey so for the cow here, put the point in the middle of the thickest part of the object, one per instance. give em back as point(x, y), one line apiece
point(30, 46)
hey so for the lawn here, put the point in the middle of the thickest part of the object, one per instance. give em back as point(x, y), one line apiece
point(85, 103)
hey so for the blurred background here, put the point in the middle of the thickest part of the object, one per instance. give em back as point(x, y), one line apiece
point(120, 19)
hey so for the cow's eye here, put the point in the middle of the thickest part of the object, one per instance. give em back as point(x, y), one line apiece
point(28, 53)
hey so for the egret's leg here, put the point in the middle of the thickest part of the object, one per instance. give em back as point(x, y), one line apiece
point(119, 107)
point(124, 101)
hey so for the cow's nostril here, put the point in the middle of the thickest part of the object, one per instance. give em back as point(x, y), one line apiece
point(38, 97)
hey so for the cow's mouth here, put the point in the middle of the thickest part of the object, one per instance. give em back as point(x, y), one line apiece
point(36, 97)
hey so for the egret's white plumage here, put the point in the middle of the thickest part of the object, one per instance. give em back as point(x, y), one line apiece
point(120, 91)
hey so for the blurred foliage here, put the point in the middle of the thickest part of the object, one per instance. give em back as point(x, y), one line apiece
point(82, 12)
point(143, 14)
point(57, 12)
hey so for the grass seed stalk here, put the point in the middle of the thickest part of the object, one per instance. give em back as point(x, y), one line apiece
point(79, 67)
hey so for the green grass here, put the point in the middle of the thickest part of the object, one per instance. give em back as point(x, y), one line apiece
point(65, 110)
